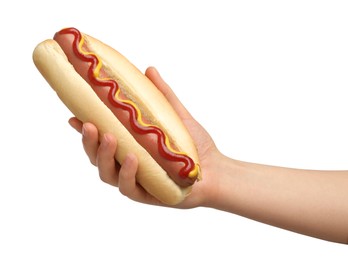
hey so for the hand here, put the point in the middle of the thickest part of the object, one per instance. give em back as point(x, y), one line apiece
point(101, 152)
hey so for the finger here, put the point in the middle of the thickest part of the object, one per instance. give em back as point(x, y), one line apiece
point(107, 166)
point(156, 79)
point(127, 179)
point(76, 124)
point(90, 141)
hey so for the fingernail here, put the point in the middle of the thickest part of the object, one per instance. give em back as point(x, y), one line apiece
point(129, 160)
point(105, 141)
point(84, 130)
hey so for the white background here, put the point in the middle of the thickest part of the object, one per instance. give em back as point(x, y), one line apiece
point(267, 79)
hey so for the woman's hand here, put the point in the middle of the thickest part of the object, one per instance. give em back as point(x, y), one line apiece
point(101, 153)
point(310, 202)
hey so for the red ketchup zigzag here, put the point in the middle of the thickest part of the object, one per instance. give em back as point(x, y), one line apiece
point(190, 169)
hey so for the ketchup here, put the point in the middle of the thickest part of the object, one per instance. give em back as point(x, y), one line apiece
point(189, 168)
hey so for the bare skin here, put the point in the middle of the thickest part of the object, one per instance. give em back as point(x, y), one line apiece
point(310, 202)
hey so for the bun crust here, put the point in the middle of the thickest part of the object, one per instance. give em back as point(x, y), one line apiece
point(82, 101)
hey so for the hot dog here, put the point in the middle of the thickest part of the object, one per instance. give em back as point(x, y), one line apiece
point(99, 85)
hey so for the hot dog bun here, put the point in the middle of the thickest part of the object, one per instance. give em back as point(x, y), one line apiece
point(83, 101)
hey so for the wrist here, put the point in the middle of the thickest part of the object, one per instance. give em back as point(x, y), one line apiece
point(222, 182)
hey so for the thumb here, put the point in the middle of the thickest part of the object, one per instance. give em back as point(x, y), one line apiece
point(157, 80)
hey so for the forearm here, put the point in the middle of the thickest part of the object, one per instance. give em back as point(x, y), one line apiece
point(314, 203)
